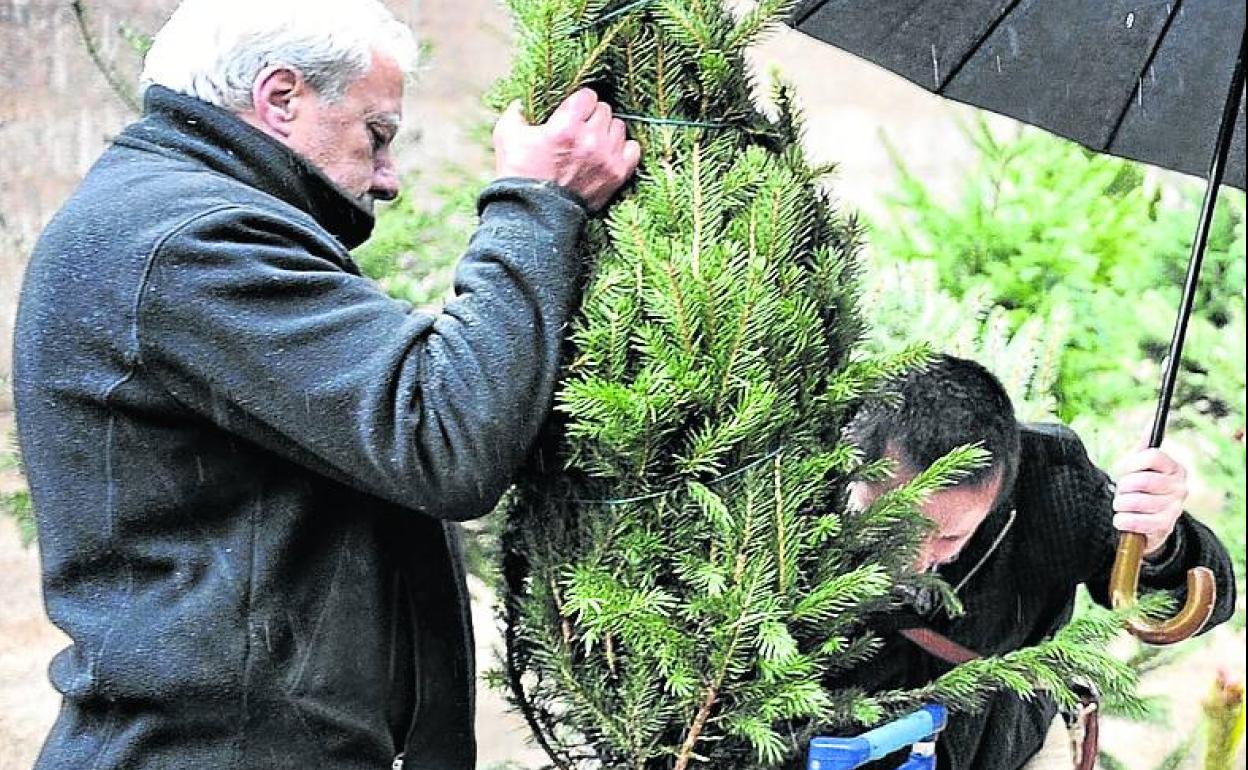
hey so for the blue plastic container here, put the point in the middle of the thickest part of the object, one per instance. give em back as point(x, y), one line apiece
point(917, 730)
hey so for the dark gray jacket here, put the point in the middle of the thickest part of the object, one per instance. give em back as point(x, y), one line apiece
point(244, 456)
point(1017, 579)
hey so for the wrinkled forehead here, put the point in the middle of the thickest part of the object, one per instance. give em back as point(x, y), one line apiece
point(961, 509)
point(378, 92)
point(957, 507)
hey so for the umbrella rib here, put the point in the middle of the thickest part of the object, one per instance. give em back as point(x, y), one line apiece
point(1126, 105)
point(805, 14)
point(974, 47)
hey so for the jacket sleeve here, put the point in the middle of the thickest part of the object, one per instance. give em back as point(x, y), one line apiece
point(250, 321)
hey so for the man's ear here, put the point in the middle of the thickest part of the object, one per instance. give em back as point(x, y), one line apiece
point(275, 98)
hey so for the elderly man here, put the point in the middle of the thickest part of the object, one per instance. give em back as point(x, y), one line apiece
point(1015, 539)
point(244, 456)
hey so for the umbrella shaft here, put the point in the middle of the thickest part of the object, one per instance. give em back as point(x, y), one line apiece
point(1217, 166)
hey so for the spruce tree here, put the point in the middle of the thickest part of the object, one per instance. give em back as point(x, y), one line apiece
point(683, 577)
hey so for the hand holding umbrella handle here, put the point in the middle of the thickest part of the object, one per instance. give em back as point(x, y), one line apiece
point(1124, 582)
point(1125, 576)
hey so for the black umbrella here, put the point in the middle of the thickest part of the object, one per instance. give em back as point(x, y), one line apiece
point(1155, 81)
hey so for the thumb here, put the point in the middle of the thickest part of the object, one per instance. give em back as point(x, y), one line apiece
point(512, 117)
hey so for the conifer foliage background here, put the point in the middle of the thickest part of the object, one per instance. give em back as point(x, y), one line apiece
point(682, 576)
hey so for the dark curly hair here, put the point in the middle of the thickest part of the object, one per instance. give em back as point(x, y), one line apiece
point(947, 403)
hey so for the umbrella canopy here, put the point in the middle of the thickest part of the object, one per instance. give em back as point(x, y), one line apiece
point(1140, 79)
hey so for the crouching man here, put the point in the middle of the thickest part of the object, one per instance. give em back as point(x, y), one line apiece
point(1015, 539)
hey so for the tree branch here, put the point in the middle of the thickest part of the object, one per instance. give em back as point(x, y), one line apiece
point(123, 92)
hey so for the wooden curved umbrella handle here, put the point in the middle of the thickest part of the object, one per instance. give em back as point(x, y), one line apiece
point(1124, 581)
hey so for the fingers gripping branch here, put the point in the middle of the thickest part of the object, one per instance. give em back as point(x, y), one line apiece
point(582, 147)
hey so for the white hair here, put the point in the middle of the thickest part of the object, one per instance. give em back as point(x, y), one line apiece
point(214, 49)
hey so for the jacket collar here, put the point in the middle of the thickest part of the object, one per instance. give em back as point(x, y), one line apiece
point(186, 126)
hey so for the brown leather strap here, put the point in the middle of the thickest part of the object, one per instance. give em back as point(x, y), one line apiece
point(1085, 733)
point(1086, 729)
point(939, 645)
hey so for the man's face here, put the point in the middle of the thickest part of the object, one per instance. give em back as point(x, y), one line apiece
point(956, 513)
point(350, 140)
